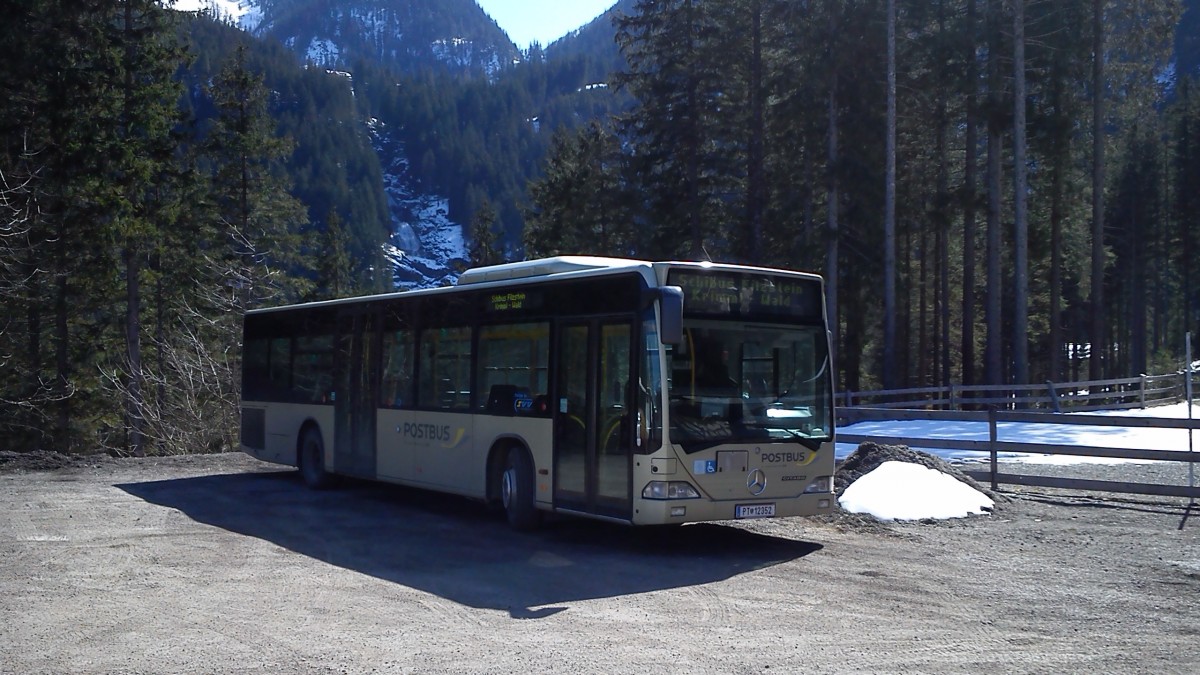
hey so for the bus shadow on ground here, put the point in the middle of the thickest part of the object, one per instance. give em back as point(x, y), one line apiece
point(460, 550)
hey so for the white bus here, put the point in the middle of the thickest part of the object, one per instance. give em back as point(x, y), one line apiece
point(630, 391)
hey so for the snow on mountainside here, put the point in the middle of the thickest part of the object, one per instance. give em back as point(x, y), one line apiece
point(426, 247)
point(407, 35)
point(241, 13)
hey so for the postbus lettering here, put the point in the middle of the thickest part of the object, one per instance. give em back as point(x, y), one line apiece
point(783, 457)
point(427, 432)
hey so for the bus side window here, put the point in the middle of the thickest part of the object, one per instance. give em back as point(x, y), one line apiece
point(256, 377)
point(312, 369)
point(512, 362)
point(396, 391)
point(280, 368)
point(445, 368)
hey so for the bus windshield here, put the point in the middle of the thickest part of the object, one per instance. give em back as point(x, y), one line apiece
point(741, 382)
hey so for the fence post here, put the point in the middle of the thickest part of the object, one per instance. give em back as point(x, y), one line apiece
point(992, 442)
point(954, 397)
point(1142, 391)
point(1053, 396)
point(1187, 385)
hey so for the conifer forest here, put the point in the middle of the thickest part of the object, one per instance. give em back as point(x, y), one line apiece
point(996, 191)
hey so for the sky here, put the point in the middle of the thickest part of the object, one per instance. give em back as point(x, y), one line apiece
point(543, 21)
point(912, 492)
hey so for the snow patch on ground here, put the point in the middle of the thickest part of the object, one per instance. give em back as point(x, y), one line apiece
point(932, 487)
point(1060, 434)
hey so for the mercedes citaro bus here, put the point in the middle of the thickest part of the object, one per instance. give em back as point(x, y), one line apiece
point(630, 391)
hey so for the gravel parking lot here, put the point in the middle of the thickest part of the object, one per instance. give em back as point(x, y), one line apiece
point(221, 564)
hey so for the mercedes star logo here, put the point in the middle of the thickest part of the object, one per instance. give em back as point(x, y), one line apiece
point(756, 482)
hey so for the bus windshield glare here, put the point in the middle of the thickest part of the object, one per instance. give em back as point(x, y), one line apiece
point(739, 382)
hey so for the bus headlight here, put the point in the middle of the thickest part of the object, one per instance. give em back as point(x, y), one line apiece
point(822, 484)
point(675, 489)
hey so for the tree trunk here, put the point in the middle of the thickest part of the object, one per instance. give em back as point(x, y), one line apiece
point(693, 142)
point(969, 202)
point(135, 418)
point(923, 351)
point(831, 222)
point(942, 300)
point(943, 254)
point(993, 355)
point(33, 324)
point(1096, 369)
point(133, 343)
point(1056, 275)
point(756, 198)
point(1058, 167)
point(160, 337)
point(1020, 217)
point(889, 210)
point(62, 389)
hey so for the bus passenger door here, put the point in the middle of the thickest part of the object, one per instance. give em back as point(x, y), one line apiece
point(592, 418)
point(356, 394)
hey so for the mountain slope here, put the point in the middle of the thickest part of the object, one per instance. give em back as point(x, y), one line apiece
point(596, 40)
point(402, 35)
point(444, 136)
point(334, 167)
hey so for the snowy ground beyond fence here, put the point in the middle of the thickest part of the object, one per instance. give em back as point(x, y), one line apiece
point(1159, 434)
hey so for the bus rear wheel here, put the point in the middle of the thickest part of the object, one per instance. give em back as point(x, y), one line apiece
point(312, 460)
point(516, 491)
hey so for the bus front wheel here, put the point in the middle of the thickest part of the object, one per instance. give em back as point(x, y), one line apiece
point(312, 460)
point(516, 491)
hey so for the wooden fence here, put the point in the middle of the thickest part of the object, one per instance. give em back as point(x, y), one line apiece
point(994, 446)
point(1117, 394)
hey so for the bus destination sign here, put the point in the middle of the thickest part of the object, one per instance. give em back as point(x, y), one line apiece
point(748, 295)
point(513, 301)
point(503, 302)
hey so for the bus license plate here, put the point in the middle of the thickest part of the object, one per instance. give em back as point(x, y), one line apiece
point(754, 511)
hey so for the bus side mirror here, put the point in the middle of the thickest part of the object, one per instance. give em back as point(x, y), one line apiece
point(670, 308)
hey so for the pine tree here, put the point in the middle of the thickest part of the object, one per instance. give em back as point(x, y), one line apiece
point(678, 82)
point(68, 123)
point(151, 57)
point(333, 260)
point(483, 237)
point(24, 396)
point(263, 222)
point(580, 204)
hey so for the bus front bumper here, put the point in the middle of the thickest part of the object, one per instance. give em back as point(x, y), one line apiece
point(673, 511)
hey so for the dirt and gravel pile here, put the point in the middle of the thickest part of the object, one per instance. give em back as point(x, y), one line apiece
point(869, 456)
point(38, 460)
